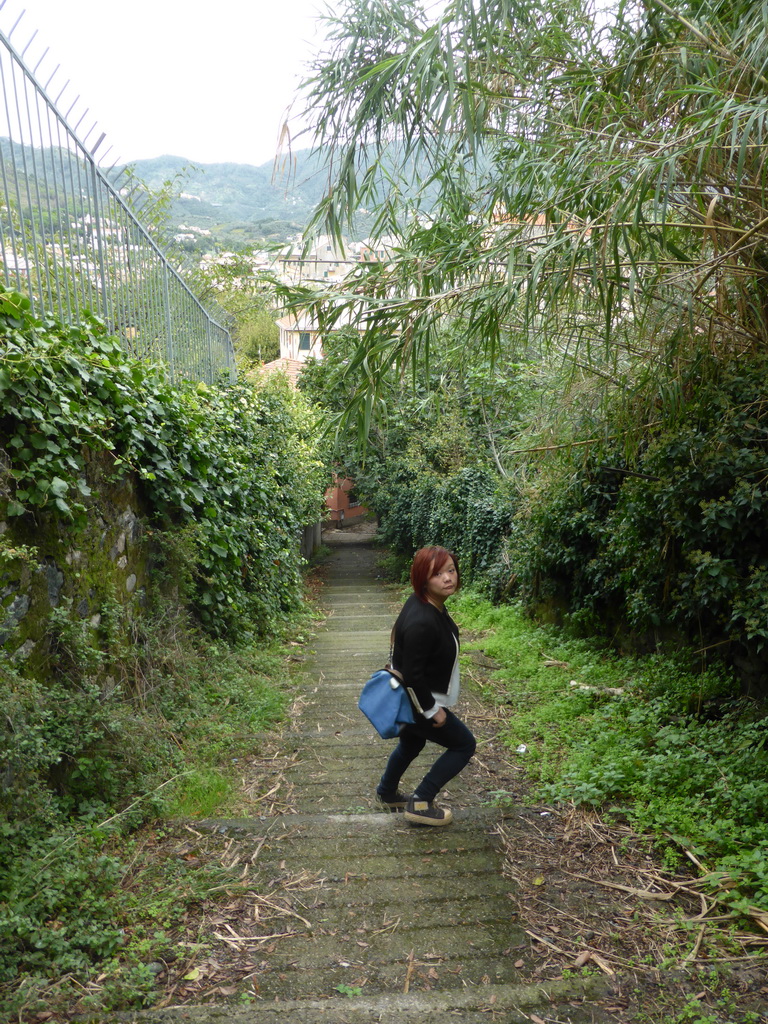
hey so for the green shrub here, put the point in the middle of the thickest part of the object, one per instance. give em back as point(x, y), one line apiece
point(171, 750)
point(670, 545)
point(135, 711)
point(466, 512)
point(56, 913)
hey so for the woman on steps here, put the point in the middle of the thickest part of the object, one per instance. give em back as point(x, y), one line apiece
point(426, 652)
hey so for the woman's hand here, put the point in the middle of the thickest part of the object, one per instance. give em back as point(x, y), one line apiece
point(440, 718)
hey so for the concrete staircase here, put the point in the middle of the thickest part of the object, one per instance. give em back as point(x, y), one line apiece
point(400, 923)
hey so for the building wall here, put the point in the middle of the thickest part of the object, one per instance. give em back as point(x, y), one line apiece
point(292, 333)
point(337, 498)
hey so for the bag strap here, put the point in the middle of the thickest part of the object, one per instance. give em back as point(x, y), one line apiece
point(389, 666)
point(399, 675)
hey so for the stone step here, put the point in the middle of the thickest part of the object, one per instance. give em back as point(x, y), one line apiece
point(571, 1000)
point(355, 616)
point(359, 835)
point(337, 642)
point(334, 940)
point(354, 677)
point(364, 791)
point(393, 903)
point(360, 970)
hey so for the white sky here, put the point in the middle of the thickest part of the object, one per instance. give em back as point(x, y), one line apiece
point(210, 82)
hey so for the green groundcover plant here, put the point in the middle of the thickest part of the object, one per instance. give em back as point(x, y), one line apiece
point(85, 909)
point(675, 750)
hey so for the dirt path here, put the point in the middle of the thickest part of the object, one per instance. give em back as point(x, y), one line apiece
point(382, 920)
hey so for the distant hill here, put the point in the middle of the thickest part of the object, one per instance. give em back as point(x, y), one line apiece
point(218, 206)
point(240, 204)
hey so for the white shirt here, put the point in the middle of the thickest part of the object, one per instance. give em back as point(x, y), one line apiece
point(447, 700)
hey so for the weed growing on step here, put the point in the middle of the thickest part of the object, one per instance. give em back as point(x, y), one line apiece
point(678, 752)
point(350, 991)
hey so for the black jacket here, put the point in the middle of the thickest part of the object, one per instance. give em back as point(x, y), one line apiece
point(425, 649)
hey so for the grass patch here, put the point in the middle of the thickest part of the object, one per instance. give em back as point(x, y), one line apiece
point(199, 794)
point(678, 752)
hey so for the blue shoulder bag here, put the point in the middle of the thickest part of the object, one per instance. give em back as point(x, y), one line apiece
point(385, 704)
point(384, 701)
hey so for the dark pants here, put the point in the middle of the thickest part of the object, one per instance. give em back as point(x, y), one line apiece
point(454, 736)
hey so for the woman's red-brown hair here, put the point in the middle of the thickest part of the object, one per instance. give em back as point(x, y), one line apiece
point(428, 561)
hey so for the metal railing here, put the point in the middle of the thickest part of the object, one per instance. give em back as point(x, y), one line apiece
point(75, 237)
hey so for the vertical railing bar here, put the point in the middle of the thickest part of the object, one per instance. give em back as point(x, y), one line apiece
point(111, 262)
point(131, 262)
point(135, 263)
point(82, 214)
point(148, 311)
point(7, 193)
point(94, 270)
point(130, 330)
point(100, 228)
point(117, 264)
point(65, 220)
point(162, 311)
point(154, 277)
point(158, 305)
point(74, 206)
point(41, 255)
point(58, 251)
point(122, 269)
point(28, 188)
point(110, 253)
point(52, 260)
point(169, 327)
point(181, 350)
point(73, 247)
point(193, 330)
point(163, 316)
point(5, 249)
point(208, 333)
point(142, 312)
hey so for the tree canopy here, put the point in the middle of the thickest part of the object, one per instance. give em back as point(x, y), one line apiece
point(596, 176)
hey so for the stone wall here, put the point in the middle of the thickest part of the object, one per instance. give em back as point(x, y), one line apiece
point(311, 538)
point(76, 570)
